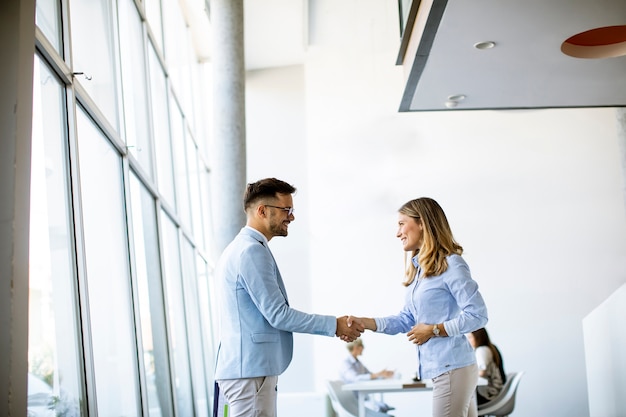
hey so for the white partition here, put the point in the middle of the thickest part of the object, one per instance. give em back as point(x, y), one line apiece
point(304, 404)
point(605, 355)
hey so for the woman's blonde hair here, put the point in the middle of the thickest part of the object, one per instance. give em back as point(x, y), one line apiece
point(438, 241)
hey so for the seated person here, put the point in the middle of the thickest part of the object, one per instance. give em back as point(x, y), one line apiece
point(490, 366)
point(353, 370)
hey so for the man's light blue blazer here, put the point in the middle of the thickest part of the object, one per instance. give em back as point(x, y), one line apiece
point(256, 322)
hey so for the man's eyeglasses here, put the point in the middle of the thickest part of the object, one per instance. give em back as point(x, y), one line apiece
point(289, 210)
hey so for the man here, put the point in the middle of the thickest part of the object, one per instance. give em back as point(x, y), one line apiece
point(256, 321)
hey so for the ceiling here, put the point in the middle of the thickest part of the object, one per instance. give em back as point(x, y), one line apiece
point(525, 69)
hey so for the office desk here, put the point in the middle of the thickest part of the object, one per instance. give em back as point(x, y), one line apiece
point(363, 388)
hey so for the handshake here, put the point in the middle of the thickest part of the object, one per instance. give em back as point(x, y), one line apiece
point(350, 327)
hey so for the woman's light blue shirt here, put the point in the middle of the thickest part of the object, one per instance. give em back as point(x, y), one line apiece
point(451, 298)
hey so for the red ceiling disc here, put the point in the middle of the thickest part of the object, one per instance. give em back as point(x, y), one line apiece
point(604, 42)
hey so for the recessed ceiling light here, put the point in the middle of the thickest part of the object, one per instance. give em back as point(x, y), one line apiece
point(453, 100)
point(456, 97)
point(484, 45)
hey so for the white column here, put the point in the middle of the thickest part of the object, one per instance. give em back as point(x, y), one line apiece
point(228, 169)
point(17, 46)
point(620, 114)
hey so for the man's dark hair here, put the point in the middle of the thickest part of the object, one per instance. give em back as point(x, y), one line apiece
point(265, 188)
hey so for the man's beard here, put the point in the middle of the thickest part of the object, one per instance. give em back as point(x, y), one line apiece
point(278, 229)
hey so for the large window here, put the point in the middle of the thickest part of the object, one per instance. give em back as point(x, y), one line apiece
point(54, 365)
point(108, 274)
point(181, 179)
point(135, 91)
point(150, 298)
point(49, 21)
point(194, 169)
point(155, 21)
point(120, 314)
point(161, 129)
point(195, 330)
point(176, 317)
point(94, 54)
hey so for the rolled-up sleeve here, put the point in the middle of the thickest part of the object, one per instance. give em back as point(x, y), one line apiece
point(473, 311)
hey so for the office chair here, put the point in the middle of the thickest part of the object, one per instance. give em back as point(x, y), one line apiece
point(504, 403)
point(346, 404)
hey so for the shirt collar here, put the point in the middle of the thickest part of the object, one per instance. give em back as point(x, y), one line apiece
point(352, 359)
point(258, 235)
point(415, 261)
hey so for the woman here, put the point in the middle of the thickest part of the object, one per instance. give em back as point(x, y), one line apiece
point(353, 370)
point(490, 365)
point(442, 304)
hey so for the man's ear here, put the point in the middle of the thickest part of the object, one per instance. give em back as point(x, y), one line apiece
point(260, 210)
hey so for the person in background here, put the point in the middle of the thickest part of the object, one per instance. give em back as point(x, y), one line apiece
point(352, 370)
point(442, 304)
point(490, 365)
point(256, 320)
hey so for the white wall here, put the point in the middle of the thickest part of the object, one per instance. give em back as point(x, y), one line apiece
point(276, 147)
point(605, 344)
point(535, 197)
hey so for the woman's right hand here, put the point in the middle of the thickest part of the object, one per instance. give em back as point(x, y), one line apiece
point(367, 322)
point(384, 374)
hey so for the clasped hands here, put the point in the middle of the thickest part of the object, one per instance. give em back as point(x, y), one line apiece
point(348, 330)
point(350, 327)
